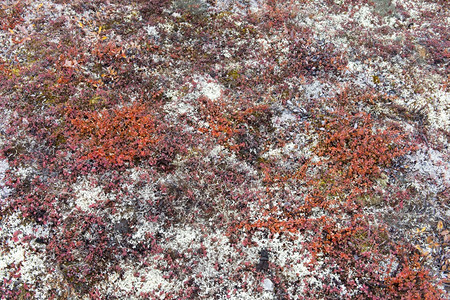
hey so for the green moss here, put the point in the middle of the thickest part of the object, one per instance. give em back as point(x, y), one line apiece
point(111, 24)
point(285, 94)
point(370, 200)
point(376, 79)
point(46, 97)
point(361, 241)
point(224, 14)
point(15, 71)
point(24, 293)
point(95, 100)
point(60, 139)
point(233, 74)
point(231, 78)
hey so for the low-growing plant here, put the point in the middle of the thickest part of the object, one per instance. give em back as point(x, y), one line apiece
point(356, 151)
point(116, 136)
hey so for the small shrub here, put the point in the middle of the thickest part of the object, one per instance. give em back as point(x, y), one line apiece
point(11, 16)
point(356, 151)
point(117, 137)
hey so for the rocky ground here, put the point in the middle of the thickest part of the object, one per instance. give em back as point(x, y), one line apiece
point(191, 149)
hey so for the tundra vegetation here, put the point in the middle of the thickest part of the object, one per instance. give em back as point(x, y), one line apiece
point(156, 149)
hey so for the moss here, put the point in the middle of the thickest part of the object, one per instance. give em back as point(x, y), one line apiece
point(362, 243)
point(231, 78)
point(60, 139)
point(24, 293)
point(224, 14)
point(15, 71)
point(371, 200)
point(98, 69)
point(111, 24)
point(46, 97)
point(14, 151)
point(95, 100)
point(71, 273)
point(376, 79)
point(233, 74)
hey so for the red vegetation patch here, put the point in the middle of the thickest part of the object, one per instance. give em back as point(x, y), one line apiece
point(239, 125)
point(11, 16)
point(116, 136)
point(67, 86)
point(355, 150)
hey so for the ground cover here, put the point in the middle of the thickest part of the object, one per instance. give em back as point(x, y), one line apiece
point(194, 149)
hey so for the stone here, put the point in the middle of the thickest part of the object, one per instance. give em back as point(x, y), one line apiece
point(267, 285)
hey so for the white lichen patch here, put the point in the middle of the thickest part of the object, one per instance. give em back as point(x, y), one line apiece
point(364, 16)
point(219, 262)
point(4, 190)
point(317, 89)
point(290, 255)
point(179, 107)
point(152, 31)
point(439, 110)
point(136, 281)
point(12, 258)
point(87, 194)
point(209, 88)
point(286, 117)
point(21, 258)
point(144, 228)
point(431, 170)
